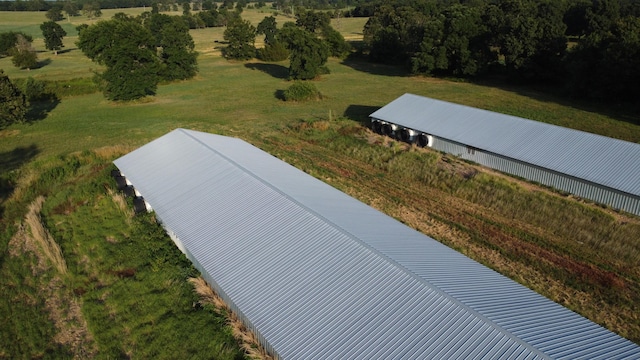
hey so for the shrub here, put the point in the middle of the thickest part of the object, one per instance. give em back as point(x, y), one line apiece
point(273, 52)
point(24, 55)
point(35, 89)
point(302, 91)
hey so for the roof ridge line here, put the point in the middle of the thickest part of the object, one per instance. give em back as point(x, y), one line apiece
point(368, 246)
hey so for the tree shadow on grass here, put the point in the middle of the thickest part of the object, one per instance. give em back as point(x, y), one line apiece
point(626, 112)
point(15, 158)
point(42, 63)
point(9, 161)
point(357, 62)
point(275, 70)
point(360, 113)
point(40, 109)
point(279, 94)
point(64, 51)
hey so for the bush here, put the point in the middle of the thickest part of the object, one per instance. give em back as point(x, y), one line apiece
point(302, 91)
point(8, 41)
point(273, 52)
point(35, 90)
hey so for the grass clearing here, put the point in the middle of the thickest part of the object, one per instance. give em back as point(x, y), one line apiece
point(135, 296)
point(124, 289)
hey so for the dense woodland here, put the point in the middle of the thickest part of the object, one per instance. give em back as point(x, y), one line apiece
point(579, 48)
point(584, 48)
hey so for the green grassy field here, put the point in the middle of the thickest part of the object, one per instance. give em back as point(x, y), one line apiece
point(576, 253)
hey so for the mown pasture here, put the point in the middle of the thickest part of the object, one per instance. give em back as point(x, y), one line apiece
point(577, 253)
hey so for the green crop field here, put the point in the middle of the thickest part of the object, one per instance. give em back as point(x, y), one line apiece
point(130, 283)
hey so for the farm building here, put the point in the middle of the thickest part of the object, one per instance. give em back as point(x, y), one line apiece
point(594, 167)
point(316, 274)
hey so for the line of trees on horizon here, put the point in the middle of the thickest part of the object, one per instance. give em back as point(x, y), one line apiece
point(583, 48)
point(44, 5)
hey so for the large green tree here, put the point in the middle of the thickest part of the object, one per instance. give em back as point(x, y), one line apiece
point(23, 55)
point(70, 8)
point(8, 41)
point(274, 49)
point(456, 42)
point(13, 103)
point(92, 9)
point(604, 65)
point(308, 54)
point(313, 21)
point(55, 13)
point(269, 28)
point(530, 36)
point(551, 43)
point(394, 34)
point(241, 36)
point(176, 49)
point(53, 35)
point(128, 51)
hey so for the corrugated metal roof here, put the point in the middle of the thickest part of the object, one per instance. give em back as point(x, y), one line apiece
point(320, 275)
point(599, 159)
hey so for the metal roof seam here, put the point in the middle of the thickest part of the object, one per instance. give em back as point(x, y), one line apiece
point(317, 273)
point(372, 249)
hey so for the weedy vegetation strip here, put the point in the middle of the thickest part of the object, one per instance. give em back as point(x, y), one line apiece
point(124, 290)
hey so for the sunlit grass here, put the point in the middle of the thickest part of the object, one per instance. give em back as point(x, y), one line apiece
point(501, 222)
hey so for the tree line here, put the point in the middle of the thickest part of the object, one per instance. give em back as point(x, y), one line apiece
point(45, 5)
point(586, 48)
point(307, 43)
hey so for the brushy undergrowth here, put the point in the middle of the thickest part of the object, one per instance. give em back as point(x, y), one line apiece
point(124, 273)
point(42, 90)
point(302, 91)
point(273, 52)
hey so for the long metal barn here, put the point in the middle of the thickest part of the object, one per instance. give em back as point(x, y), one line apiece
point(594, 167)
point(317, 274)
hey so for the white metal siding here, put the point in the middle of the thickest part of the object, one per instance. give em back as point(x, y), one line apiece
point(582, 188)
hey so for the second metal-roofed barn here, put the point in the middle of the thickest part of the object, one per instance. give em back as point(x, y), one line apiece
point(595, 167)
point(319, 275)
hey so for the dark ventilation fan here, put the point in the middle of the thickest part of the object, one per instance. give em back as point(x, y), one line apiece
point(121, 182)
point(407, 135)
point(129, 191)
point(139, 205)
point(424, 140)
point(376, 126)
point(387, 129)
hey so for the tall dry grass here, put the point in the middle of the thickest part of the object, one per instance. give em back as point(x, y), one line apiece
point(121, 203)
point(248, 340)
point(42, 238)
point(112, 151)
